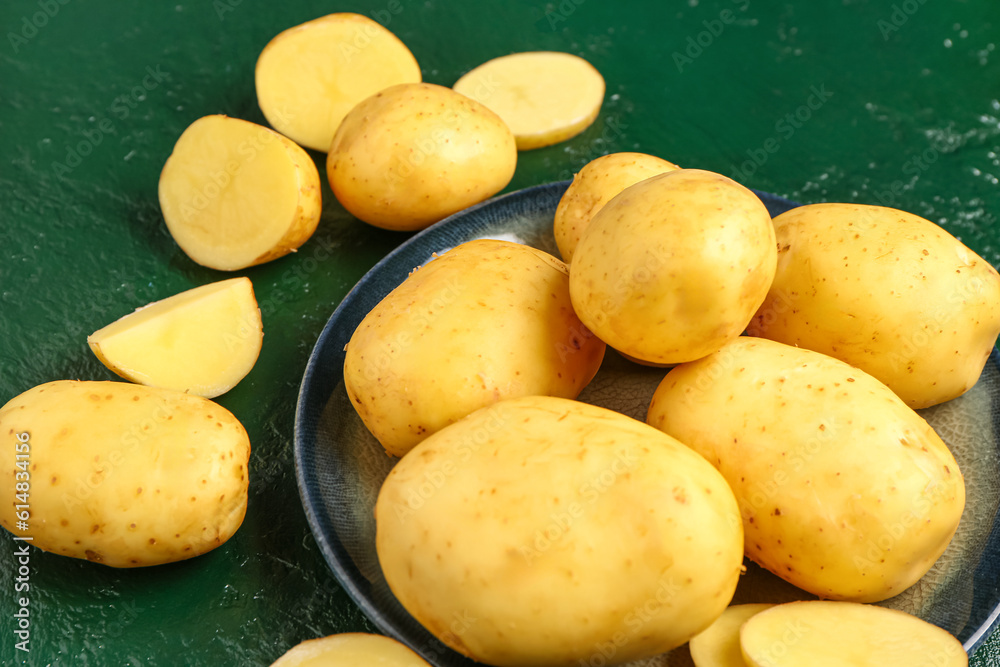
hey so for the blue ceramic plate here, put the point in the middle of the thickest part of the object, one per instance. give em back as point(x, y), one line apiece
point(340, 466)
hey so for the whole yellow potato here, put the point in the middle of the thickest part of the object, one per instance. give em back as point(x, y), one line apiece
point(351, 649)
point(674, 266)
point(122, 474)
point(596, 184)
point(543, 531)
point(886, 291)
point(485, 321)
point(844, 490)
point(415, 153)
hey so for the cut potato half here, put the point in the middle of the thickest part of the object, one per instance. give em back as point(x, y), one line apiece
point(833, 634)
point(202, 341)
point(600, 181)
point(310, 76)
point(354, 649)
point(544, 96)
point(718, 645)
point(235, 194)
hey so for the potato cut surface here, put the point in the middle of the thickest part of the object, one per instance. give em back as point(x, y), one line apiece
point(310, 76)
point(833, 634)
point(353, 649)
point(202, 341)
point(235, 194)
point(719, 644)
point(544, 96)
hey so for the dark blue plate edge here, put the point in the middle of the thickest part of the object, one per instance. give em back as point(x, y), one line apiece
point(313, 396)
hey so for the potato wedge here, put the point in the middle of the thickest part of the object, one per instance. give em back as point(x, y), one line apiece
point(308, 77)
point(718, 645)
point(121, 474)
point(833, 634)
point(598, 183)
point(544, 96)
point(353, 649)
point(202, 341)
point(235, 194)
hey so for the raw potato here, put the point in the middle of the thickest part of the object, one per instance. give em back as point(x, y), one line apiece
point(845, 491)
point(123, 474)
point(414, 154)
point(310, 76)
point(485, 321)
point(834, 634)
point(235, 194)
point(886, 291)
point(597, 183)
point(719, 644)
point(353, 649)
point(543, 96)
point(202, 341)
point(674, 267)
point(543, 531)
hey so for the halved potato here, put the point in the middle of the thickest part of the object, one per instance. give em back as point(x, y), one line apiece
point(600, 181)
point(544, 96)
point(823, 633)
point(235, 194)
point(202, 341)
point(718, 645)
point(310, 76)
point(353, 649)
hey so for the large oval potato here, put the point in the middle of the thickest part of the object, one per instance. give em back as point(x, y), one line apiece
point(122, 474)
point(674, 266)
point(845, 491)
point(821, 633)
point(544, 531)
point(886, 291)
point(599, 182)
point(414, 154)
point(485, 321)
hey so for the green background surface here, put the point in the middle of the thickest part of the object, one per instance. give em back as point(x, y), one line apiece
point(94, 93)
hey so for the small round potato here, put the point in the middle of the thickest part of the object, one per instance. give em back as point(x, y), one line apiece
point(414, 154)
point(596, 184)
point(674, 267)
point(353, 649)
point(542, 531)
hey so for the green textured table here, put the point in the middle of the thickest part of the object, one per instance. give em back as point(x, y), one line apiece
point(876, 102)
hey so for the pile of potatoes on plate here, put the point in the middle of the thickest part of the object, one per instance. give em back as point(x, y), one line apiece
point(795, 445)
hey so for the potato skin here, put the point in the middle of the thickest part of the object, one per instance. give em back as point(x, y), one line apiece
point(485, 321)
point(539, 531)
point(844, 490)
point(599, 182)
point(413, 154)
point(123, 474)
point(886, 291)
point(674, 266)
